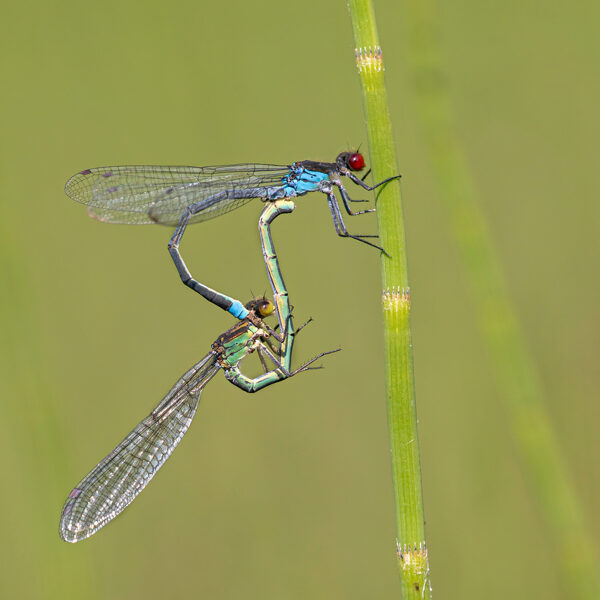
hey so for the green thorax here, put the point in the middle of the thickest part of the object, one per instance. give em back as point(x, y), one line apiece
point(237, 342)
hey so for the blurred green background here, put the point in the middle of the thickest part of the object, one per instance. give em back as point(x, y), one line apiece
point(287, 494)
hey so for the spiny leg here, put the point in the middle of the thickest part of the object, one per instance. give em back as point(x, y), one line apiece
point(338, 220)
point(362, 184)
point(248, 384)
point(295, 332)
point(263, 362)
point(346, 198)
point(340, 226)
point(305, 367)
point(298, 329)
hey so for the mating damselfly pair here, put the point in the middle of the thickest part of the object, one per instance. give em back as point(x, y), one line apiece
point(179, 196)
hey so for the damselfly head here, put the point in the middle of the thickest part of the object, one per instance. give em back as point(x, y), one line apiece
point(354, 161)
point(262, 307)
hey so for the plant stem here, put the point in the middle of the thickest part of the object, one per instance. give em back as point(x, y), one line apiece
point(515, 371)
point(402, 417)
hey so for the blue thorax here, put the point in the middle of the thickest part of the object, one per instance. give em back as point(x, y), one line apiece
point(301, 181)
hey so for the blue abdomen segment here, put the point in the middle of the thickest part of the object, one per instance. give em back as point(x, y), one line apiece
point(301, 181)
point(238, 310)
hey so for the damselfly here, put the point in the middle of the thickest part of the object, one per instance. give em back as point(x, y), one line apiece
point(179, 196)
point(114, 483)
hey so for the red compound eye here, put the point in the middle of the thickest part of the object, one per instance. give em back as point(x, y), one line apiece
point(356, 161)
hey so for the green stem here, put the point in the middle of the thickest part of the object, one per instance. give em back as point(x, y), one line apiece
point(402, 417)
point(515, 371)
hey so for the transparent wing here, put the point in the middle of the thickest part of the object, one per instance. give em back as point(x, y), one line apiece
point(125, 472)
point(154, 194)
